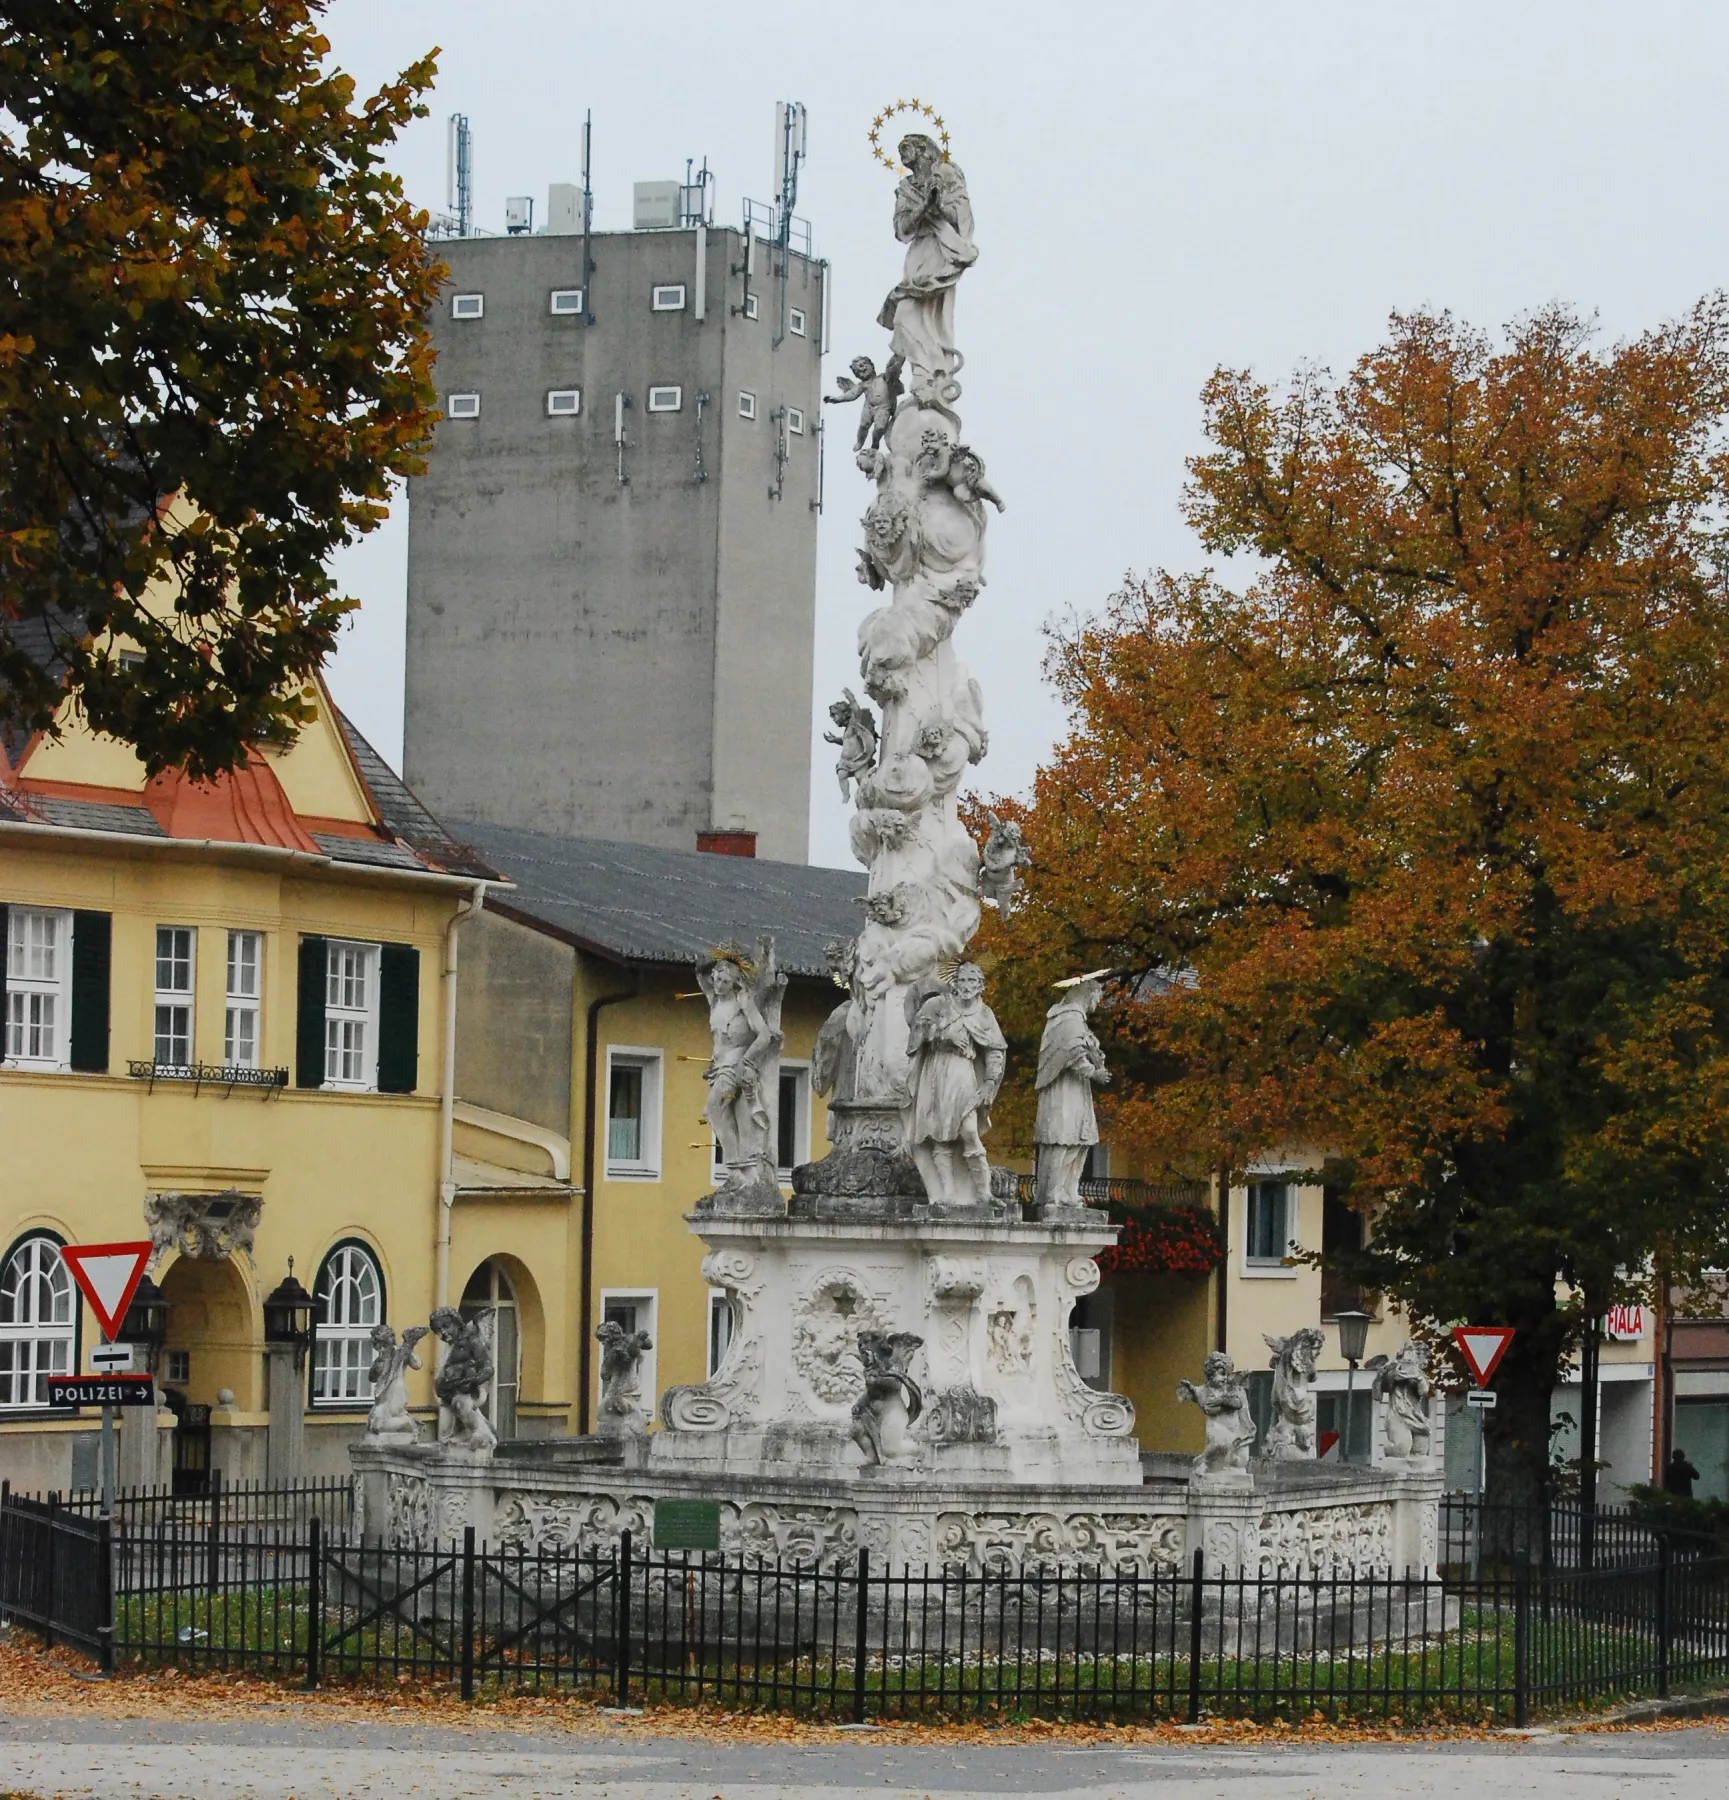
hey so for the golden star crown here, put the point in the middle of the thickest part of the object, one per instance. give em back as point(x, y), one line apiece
point(905, 106)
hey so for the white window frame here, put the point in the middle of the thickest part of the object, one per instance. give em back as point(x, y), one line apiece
point(660, 297)
point(349, 1370)
point(462, 406)
point(647, 1304)
point(795, 421)
point(795, 321)
point(554, 396)
point(658, 403)
point(337, 1013)
point(170, 999)
point(751, 309)
point(36, 1346)
point(468, 306)
point(38, 1003)
point(719, 1307)
point(177, 1367)
point(245, 1003)
point(564, 303)
point(746, 405)
point(1257, 1268)
point(646, 1166)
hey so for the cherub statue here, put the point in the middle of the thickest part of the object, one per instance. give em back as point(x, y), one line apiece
point(391, 1361)
point(957, 1054)
point(1224, 1399)
point(889, 552)
point(462, 1380)
point(1292, 1436)
point(880, 394)
point(958, 467)
point(857, 739)
point(1403, 1381)
point(621, 1413)
point(891, 1400)
point(1071, 1065)
point(744, 1004)
point(1005, 854)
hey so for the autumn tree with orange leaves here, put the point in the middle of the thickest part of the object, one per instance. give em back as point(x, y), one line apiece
point(210, 287)
point(1412, 837)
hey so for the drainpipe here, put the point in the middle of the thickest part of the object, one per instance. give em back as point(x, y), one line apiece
point(590, 1133)
point(447, 1096)
point(1221, 1323)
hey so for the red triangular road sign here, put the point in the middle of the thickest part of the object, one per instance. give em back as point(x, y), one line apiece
point(109, 1275)
point(1482, 1347)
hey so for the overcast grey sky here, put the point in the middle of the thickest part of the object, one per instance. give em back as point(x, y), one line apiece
point(1159, 188)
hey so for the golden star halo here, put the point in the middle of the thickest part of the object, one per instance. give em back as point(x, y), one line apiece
point(905, 106)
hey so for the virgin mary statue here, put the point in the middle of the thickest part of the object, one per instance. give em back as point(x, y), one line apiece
point(934, 219)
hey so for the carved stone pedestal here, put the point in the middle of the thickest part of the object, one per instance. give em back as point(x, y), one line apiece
point(988, 1294)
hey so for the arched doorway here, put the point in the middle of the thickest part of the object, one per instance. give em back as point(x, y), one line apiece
point(489, 1290)
point(210, 1346)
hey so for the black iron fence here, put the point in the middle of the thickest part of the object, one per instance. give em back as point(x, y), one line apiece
point(1558, 1536)
point(855, 1640)
point(256, 1505)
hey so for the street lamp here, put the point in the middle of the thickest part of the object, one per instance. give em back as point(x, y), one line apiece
point(288, 1316)
point(146, 1321)
point(1353, 1340)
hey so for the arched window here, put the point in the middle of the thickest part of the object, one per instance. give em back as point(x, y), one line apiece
point(38, 1322)
point(350, 1296)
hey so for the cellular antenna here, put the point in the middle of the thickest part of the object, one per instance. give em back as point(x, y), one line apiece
point(790, 125)
point(460, 198)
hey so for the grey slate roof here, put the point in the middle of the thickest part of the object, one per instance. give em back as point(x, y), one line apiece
point(643, 903)
point(402, 814)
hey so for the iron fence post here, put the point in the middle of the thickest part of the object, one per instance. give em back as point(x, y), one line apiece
point(468, 1612)
point(1521, 1643)
point(51, 1610)
point(213, 1543)
point(858, 1650)
point(621, 1624)
point(314, 1602)
point(1663, 1629)
point(1195, 1637)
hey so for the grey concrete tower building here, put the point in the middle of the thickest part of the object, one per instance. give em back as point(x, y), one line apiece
point(612, 553)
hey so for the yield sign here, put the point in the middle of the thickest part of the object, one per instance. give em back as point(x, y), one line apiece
point(109, 1276)
point(1482, 1347)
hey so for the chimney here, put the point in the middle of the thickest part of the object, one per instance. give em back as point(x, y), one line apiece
point(727, 843)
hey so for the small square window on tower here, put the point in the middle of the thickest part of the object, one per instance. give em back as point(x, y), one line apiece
point(566, 300)
point(750, 306)
point(795, 321)
point(665, 399)
point(563, 403)
point(795, 421)
point(462, 406)
point(467, 306)
point(747, 406)
point(669, 298)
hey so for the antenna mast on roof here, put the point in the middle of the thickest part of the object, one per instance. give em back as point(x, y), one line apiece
point(587, 218)
point(461, 186)
point(790, 122)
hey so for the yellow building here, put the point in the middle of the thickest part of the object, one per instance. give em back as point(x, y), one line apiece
point(225, 1026)
point(581, 1044)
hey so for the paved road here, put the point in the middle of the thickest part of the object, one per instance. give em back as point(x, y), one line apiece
point(287, 1758)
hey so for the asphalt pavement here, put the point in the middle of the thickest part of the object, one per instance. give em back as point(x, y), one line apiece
point(275, 1755)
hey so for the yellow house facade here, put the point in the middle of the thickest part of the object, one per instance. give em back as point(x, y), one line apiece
point(224, 1023)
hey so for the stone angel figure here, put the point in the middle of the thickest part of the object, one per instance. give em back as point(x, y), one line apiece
point(1005, 854)
point(880, 394)
point(1071, 1065)
point(1223, 1398)
point(1292, 1437)
point(1402, 1380)
point(891, 1400)
point(957, 1054)
point(462, 1380)
point(390, 1418)
point(857, 739)
point(744, 1006)
point(834, 1059)
point(958, 467)
point(622, 1413)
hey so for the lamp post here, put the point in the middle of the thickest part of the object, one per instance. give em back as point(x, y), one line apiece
point(1353, 1340)
point(145, 1327)
point(146, 1321)
point(288, 1316)
point(288, 1331)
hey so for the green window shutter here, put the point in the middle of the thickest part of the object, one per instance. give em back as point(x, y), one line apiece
point(309, 1023)
point(398, 1018)
point(92, 945)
